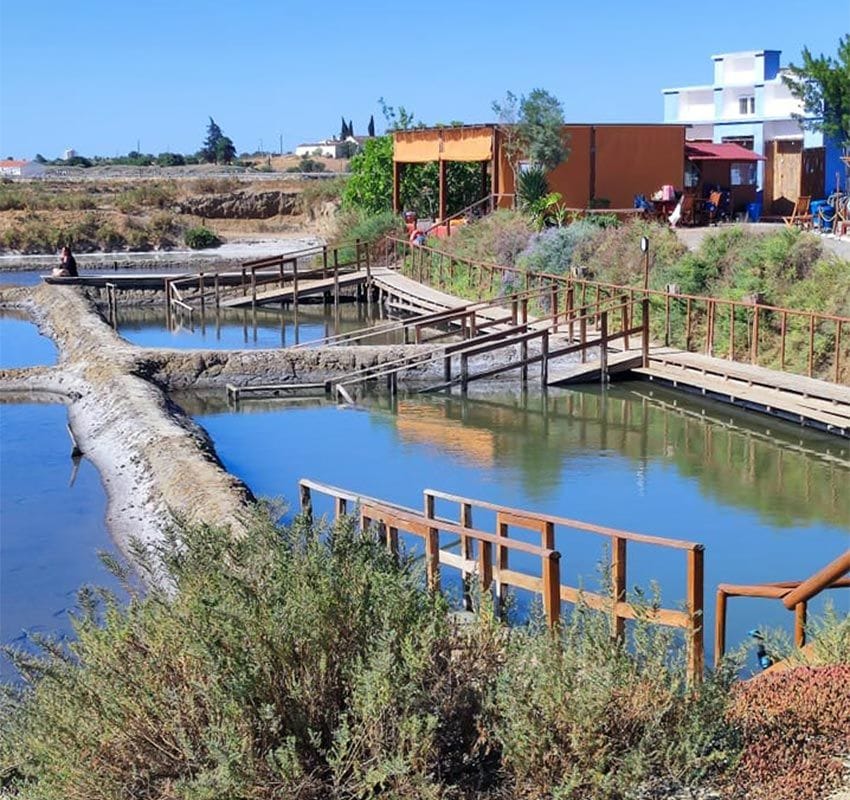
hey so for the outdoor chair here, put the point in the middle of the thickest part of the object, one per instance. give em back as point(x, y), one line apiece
point(800, 216)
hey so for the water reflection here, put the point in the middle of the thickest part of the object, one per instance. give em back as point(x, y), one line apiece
point(53, 524)
point(261, 327)
point(768, 500)
point(21, 345)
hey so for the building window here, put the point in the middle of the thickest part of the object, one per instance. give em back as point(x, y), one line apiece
point(744, 141)
point(747, 105)
point(742, 173)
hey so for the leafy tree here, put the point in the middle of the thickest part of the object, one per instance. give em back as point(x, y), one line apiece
point(343, 131)
point(370, 186)
point(398, 120)
point(532, 128)
point(40, 159)
point(170, 160)
point(822, 84)
point(217, 147)
point(371, 129)
point(350, 128)
point(225, 152)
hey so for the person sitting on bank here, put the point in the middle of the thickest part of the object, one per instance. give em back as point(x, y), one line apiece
point(67, 265)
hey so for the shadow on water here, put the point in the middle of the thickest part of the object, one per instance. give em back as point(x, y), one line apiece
point(768, 500)
point(21, 345)
point(53, 524)
point(263, 327)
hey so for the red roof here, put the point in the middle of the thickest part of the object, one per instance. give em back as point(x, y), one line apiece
point(7, 162)
point(728, 151)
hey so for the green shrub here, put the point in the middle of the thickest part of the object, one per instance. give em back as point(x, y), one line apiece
point(199, 238)
point(288, 663)
point(552, 250)
point(146, 195)
point(581, 716)
point(532, 187)
point(314, 193)
point(163, 229)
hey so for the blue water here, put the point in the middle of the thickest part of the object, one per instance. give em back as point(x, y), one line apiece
point(21, 345)
point(769, 501)
point(50, 530)
point(246, 329)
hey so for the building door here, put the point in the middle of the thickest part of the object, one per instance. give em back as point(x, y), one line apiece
point(814, 166)
point(785, 167)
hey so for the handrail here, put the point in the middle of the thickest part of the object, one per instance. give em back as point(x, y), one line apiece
point(756, 313)
point(492, 567)
point(447, 220)
point(793, 594)
point(819, 581)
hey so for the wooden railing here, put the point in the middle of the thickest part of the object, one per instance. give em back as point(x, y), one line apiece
point(794, 595)
point(748, 331)
point(486, 555)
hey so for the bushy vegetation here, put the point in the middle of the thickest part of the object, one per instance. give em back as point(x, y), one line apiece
point(35, 197)
point(38, 233)
point(309, 662)
point(146, 195)
point(200, 238)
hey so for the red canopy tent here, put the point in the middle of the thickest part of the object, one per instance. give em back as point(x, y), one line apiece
point(726, 165)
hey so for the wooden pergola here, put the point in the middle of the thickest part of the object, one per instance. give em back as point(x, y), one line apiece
point(464, 143)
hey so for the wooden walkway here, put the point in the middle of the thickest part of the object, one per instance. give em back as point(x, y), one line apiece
point(795, 398)
point(305, 288)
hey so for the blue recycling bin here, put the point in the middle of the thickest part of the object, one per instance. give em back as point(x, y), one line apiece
point(817, 221)
point(753, 212)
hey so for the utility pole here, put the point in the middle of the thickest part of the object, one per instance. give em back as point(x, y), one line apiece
point(281, 144)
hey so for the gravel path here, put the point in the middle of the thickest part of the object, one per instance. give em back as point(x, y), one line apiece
point(692, 237)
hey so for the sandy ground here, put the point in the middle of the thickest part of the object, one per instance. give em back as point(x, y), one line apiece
point(692, 237)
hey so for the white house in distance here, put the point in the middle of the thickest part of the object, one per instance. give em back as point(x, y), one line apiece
point(331, 148)
point(9, 168)
point(749, 104)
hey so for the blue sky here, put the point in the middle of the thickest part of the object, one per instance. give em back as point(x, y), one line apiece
point(100, 75)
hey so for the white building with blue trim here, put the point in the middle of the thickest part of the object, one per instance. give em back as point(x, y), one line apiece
point(748, 103)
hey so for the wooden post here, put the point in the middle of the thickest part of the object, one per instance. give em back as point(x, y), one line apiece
point(244, 287)
point(253, 286)
point(447, 369)
point(201, 289)
point(168, 320)
point(396, 187)
point(442, 195)
point(696, 647)
point(625, 322)
point(485, 566)
point(466, 553)
point(306, 503)
point(325, 260)
point(582, 332)
point(754, 357)
point(645, 331)
point(464, 372)
point(800, 623)
point(295, 286)
point(281, 277)
point(523, 355)
point(217, 288)
point(667, 319)
point(720, 627)
point(544, 360)
point(553, 303)
point(731, 354)
point(336, 281)
point(524, 310)
point(570, 312)
point(432, 559)
point(514, 310)
point(709, 336)
point(783, 327)
point(811, 361)
point(837, 350)
point(618, 584)
point(552, 587)
point(603, 349)
point(688, 326)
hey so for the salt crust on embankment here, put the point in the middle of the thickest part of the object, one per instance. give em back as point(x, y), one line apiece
point(158, 465)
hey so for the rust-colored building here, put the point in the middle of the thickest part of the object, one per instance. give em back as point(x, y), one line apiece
point(609, 163)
